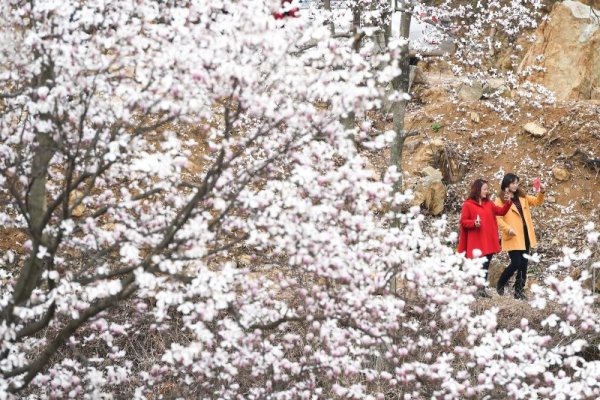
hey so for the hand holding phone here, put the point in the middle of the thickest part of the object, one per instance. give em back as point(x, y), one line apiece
point(477, 221)
point(536, 184)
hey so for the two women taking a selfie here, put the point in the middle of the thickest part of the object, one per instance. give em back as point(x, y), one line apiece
point(479, 222)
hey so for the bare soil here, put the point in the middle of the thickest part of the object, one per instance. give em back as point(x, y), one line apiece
point(487, 146)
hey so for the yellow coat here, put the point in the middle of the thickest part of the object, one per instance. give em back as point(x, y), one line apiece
point(512, 219)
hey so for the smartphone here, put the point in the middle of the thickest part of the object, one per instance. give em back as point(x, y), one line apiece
point(536, 184)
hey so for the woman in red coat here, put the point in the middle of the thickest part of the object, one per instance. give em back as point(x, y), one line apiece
point(478, 235)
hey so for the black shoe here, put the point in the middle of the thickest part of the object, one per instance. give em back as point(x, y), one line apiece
point(520, 296)
point(482, 293)
point(500, 289)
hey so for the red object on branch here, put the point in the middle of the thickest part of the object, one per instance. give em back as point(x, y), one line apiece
point(293, 12)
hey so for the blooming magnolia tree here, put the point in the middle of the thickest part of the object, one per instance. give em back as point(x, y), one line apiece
point(467, 36)
point(146, 147)
point(483, 31)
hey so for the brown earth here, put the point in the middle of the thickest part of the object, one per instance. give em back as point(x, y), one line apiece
point(12, 239)
point(491, 146)
point(487, 146)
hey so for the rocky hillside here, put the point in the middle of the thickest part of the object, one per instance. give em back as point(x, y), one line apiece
point(462, 141)
point(560, 144)
point(568, 45)
point(464, 137)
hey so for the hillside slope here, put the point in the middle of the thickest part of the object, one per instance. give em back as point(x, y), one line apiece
point(566, 158)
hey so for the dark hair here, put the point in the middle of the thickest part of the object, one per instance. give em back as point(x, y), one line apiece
point(506, 181)
point(476, 186)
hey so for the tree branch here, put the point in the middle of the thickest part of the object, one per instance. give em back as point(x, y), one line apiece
point(40, 362)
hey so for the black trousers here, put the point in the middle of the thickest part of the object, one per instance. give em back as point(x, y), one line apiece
point(518, 264)
point(486, 264)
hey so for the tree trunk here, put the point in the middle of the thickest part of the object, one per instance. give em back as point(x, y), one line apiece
point(401, 83)
point(327, 6)
point(349, 121)
point(36, 208)
point(36, 204)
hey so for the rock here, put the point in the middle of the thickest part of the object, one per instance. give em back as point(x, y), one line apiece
point(425, 153)
point(560, 174)
point(418, 199)
point(470, 92)
point(551, 199)
point(416, 75)
point(568, 43)
point(430, 192)
point(475, 117)
point(534, 129)
point(432, 173)
point(495, 86)
point(555, 242)
point(495, 270)
point(435, 196)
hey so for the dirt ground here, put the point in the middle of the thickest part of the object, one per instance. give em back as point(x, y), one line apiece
point(487, 146)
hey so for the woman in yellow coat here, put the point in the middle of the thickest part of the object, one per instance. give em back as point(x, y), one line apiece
point(518, 235)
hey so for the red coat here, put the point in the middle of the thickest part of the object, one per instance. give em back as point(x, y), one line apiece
point(484, 237)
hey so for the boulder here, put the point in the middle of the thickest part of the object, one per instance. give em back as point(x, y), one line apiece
point(496, 87)
point(534, 129)
point(568, 45)
point(426, 152)
point(430, 191)
point(418, 199)
point(495, 270)
point(435, 153)
point(470, 92)
point(434, 174)
point(561, 174)
point(416, 76)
